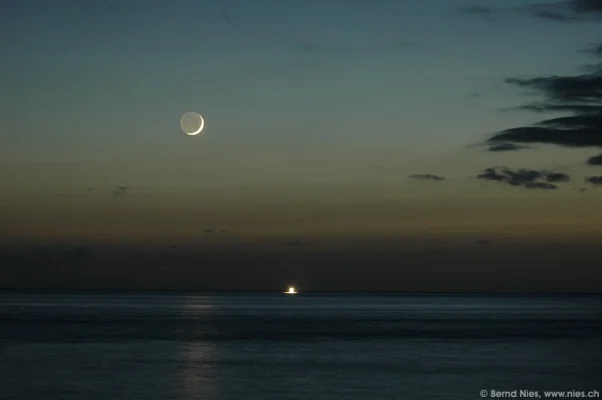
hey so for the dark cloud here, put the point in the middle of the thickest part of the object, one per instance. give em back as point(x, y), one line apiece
point(595, 50)
point(539, 185)
point(594, 180)
point(572, 138)
point(557, 177)
point(545, 11)
point(556, 11)
point(506, 147)
point(483, 241)
point(587, 6)
point(491, 174)
point(580, 95)
point(294, 243)
point(526, 178)
point(595, 160)
point(427, 177)
point(483, 12)
point(523, 175)
point(208, 230)
point(576, 108)
point(475, 10)
point(592, 67)
point(578, 90)
point(567, 11)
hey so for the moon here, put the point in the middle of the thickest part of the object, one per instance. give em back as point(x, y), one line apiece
point(192, 123)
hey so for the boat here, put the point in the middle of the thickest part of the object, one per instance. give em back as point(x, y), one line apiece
point(291, 290)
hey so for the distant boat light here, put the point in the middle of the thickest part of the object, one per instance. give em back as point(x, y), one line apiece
point(291, 290)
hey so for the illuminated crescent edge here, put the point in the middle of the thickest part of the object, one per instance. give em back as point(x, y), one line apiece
point(200, 127)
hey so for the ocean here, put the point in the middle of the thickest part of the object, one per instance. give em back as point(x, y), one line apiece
point(111, 346)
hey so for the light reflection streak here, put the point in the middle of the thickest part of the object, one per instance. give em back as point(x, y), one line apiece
point(197, 374)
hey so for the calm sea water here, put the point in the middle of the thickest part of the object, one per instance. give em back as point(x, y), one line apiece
point(149, 346)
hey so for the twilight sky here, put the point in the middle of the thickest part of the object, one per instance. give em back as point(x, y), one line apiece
point(329, 126)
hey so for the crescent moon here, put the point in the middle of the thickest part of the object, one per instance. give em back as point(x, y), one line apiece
point(192, 123)
point(201, 126)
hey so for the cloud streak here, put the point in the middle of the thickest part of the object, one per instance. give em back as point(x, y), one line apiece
point(594, 180)
point(565, 11)
point(579, 95)
point(595, 160)
point(551, 12)
point(506, 147)
point(526, 178)
point(427, 177)
point(476, 10)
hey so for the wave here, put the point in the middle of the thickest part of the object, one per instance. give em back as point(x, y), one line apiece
point(123, 328)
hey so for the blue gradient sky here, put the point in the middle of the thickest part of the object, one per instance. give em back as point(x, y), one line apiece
point(306, 102)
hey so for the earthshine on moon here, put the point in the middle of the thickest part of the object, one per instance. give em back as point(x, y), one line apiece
point(192, 123)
